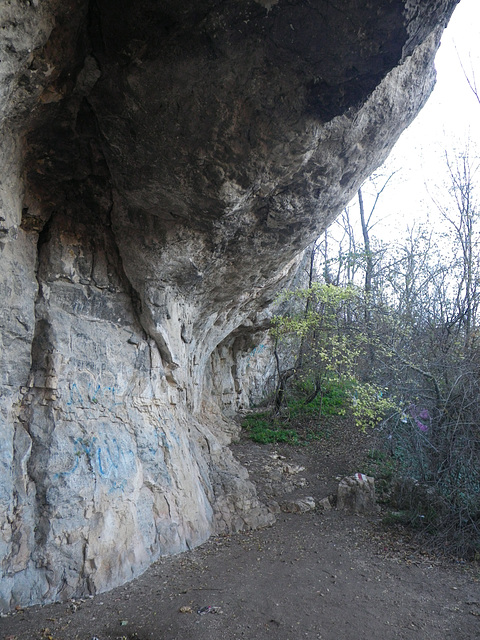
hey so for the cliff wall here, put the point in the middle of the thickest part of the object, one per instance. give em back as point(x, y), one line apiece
point(163, 166)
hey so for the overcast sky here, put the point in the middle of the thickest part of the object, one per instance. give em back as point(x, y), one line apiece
point(450, 117)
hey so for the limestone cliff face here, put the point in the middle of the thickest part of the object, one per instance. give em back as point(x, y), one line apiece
point(163, 165)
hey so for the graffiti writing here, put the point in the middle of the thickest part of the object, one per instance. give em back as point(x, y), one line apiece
point(93, 396)
point(256, 351)
point(106, 459)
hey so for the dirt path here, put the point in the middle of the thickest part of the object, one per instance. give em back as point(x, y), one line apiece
point(325, 575)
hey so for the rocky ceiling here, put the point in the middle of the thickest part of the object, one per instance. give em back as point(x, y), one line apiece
point(163, 165)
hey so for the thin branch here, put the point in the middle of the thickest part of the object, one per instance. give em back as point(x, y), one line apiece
point(426, 374)
point(471, 81)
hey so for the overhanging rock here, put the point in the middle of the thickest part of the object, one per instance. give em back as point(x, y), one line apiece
point(163, 165)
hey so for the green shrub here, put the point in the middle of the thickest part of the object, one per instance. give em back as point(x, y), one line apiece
point(370, 407)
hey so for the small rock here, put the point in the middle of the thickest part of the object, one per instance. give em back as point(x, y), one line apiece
point(273, 506)
point(186, 610)
point(325, 504)
point(302, 505)
point(292, 469)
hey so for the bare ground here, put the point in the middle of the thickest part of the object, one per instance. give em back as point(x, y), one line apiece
point(318, 575)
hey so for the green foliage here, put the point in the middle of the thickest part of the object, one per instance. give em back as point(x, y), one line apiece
point(332, 399)
point(316, 325)
point(264, 429)
point(296, 427)
point(392, 518)
point(370, 407)
point(333, 344)
point(335, 397)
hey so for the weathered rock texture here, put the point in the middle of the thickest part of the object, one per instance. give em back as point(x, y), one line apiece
point(357, 494)
point(163, 164)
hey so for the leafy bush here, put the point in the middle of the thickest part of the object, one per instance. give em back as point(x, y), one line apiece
point(370, 407)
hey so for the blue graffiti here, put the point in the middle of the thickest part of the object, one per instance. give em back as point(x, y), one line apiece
point(81, 447)
point(118, 486)
point(166, 437)
point(112, 461)
point(108, 462)
point(95, 396)
point(256, 351)
point(107, 394)
point(165, 443)
point(75, 396)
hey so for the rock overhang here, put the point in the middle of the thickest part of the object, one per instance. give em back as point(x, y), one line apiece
point(163, 166)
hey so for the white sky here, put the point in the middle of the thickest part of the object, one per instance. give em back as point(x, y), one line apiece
point(450, 117)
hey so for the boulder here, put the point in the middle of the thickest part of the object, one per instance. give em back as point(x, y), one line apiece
point(357, 494)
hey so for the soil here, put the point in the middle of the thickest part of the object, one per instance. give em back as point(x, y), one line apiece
point(323, 574)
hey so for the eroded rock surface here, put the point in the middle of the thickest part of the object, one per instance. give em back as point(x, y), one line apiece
point(163, 165)
point(357, 494)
